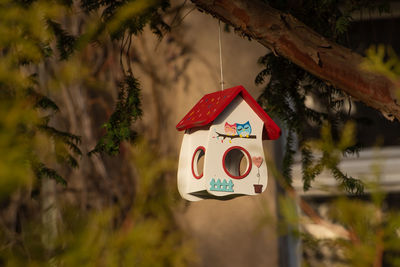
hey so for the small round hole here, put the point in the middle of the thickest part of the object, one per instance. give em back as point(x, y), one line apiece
point(236, 162)
point(198, 162)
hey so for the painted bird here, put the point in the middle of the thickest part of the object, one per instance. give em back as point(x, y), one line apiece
point(230, 129)
point(243, 130)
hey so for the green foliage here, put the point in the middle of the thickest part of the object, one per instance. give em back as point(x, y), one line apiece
point(118, 127)
point(41, 101)
point(148, 235)
point(41, 171)
point(33, 35)
point(354, 231)
point(288, 158)
point(285, 97)
point(330, 155)
point(373, 231)
point(129, 15)
point(65, 41)
point(28, 29)
point(121, 18)
point(15, 145)
point(291, 89)
point(342, 24)
point(24, 43)
point(383, 60)
point(331, 18)
point(366, 231)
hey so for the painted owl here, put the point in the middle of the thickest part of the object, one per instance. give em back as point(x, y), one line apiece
point(243, 130)
point(230, 129)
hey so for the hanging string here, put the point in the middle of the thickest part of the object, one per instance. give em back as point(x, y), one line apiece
point(220, 54)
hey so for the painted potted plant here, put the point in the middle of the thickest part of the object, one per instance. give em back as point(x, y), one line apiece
point(257, 161)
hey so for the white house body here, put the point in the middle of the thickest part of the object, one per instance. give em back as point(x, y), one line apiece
point(224, 158)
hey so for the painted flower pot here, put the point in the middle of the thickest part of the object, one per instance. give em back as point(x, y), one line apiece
point(258, 188)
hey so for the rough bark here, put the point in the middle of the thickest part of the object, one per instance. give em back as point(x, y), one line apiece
point(288, 37)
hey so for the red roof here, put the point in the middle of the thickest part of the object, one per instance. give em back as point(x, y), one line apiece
point(211, 105)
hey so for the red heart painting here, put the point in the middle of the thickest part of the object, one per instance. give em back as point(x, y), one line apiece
point(257, 161)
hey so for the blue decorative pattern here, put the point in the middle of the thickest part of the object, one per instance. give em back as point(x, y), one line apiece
point(223, 186)
point(243, 130)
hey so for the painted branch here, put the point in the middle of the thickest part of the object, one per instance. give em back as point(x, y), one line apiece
point(288, 37)
point(234, 136)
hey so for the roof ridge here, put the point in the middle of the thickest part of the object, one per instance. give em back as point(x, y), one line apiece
point(208, 108)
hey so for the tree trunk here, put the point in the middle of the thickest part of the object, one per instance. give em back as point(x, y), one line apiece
point(288, 37)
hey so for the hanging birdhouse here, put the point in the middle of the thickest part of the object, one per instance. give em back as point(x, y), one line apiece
point(222, 154)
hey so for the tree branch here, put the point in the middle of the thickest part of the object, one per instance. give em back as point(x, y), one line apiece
point(234, 136)
point(288, 37)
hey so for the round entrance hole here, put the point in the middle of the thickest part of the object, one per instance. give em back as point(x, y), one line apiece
point(236, 162)
point(198, 162)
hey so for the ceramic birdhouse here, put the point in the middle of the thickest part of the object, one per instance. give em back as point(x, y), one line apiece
point(222, 154)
